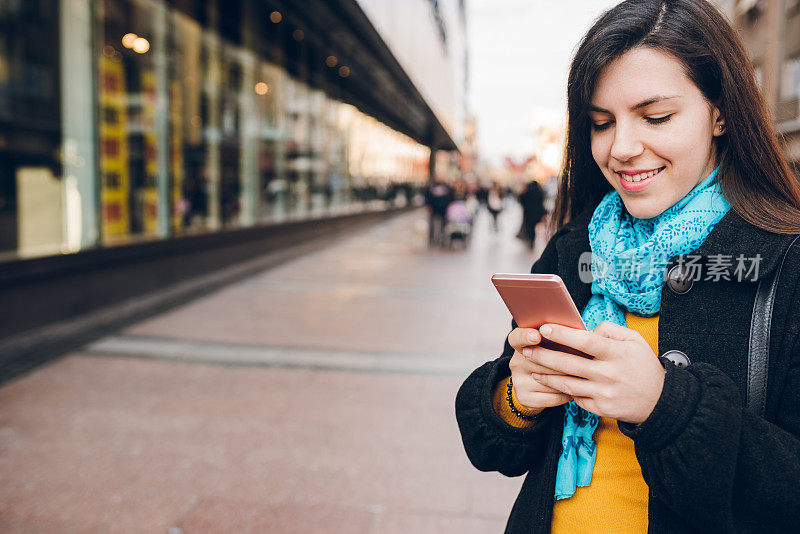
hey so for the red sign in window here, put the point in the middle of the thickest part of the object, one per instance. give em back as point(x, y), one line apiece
point(110, 82)
point(113, 211)
point(110, 148)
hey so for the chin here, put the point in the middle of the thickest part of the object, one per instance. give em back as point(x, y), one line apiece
point(643, 212)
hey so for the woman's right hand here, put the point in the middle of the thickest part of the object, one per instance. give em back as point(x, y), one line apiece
point(528, 391)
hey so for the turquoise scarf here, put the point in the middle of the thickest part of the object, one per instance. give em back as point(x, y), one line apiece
point(629, 257)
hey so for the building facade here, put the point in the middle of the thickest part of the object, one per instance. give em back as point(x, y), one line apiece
point(770, 30)
point(124, 121)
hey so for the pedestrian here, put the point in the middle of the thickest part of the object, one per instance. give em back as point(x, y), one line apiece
point(482, 193)
point(495, 201)
point(532, 201)
point(671, 161)
point(437, 197)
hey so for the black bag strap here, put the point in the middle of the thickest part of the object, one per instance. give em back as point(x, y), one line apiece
point(758, 355)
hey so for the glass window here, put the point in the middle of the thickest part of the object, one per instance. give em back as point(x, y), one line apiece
point(127, 147)
point(320, 196)
point(187, 150)
point(230, 129)
point(239, 141)
point(31, 214)
point(298, 163)
point(335, 156)
point(272, 142)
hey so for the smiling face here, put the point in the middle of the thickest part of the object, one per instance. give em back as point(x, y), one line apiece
point(652, 131)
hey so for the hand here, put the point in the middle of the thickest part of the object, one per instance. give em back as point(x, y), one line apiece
point(530, 393)
point(623, 381)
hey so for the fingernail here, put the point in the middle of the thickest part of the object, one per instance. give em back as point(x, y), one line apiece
point(545, 330)
point(527, 352)
point(533, 338)
point(536, 376)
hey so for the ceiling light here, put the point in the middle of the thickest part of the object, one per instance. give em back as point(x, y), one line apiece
point(141, 45)
point(128, 39)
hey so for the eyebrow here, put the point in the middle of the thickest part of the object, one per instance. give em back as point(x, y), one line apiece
point(640, 105)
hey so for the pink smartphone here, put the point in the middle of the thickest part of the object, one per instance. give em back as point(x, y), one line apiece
point(536, 299)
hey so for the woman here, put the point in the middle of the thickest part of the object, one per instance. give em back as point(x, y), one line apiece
point(532, 201)
point(495, 201)
point(671, 163)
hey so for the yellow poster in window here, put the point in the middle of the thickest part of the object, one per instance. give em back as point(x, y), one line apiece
point(179, 206)
point(113, 149)
point(150, 192)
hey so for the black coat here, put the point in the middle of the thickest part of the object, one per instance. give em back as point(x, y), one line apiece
point(532, 202)
point(710, 464)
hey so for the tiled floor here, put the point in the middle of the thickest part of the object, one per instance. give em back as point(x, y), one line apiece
point(316, 397)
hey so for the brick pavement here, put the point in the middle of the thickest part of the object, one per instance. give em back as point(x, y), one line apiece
point(316, 397)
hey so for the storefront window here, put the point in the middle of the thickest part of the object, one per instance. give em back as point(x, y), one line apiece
point(335, 157)
point(161, 127)
point(31, 210)
point(188, 175)
point(128, 150)
point(269, 89)
point(298, 163)
point(320, 196)
point(383, 164)
point(230, 129)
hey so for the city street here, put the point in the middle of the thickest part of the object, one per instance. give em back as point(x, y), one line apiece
point(315, 397)
point(222, 313)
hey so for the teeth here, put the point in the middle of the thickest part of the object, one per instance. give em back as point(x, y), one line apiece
point(641, 176)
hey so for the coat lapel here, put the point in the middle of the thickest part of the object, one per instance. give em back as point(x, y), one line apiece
point(734, 237)
point(731, 238)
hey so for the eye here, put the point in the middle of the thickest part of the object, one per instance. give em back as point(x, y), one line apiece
point(599, 127)
point(658, 120)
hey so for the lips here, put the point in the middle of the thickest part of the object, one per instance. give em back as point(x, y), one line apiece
point(638, 179)
point(639, 175)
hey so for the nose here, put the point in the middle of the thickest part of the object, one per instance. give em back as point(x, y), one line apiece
point(626, 144)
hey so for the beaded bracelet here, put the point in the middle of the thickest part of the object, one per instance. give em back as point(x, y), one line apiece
point(514, 410)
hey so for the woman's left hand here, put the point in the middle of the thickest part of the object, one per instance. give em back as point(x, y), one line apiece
point(623, 381)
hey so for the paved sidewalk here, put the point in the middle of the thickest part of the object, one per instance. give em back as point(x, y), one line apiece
point(316, 397)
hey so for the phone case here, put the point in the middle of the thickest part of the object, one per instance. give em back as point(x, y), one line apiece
point(536, 299)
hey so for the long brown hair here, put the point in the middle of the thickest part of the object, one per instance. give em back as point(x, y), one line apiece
point(754, 176)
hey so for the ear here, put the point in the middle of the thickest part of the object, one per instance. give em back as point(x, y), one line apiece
point(719, 122)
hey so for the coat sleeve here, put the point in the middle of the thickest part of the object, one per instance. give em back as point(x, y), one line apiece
point(715, 463)
point(491, 443)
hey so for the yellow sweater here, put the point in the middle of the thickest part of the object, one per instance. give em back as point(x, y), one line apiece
point(616, 500)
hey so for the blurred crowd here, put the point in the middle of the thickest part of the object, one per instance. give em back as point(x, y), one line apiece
point(452, 207)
